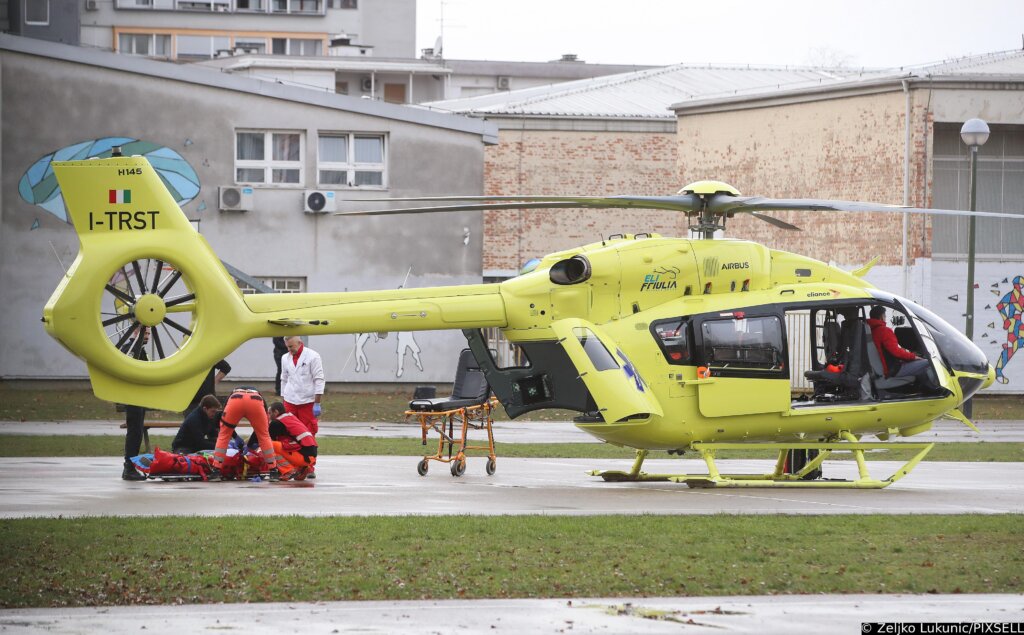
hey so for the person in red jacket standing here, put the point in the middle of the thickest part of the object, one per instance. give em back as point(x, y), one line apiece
point(885, 341)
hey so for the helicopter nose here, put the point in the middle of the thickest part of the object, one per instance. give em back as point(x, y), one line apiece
point(990, 378)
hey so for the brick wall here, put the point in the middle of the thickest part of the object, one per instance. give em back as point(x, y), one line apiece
point(531, 162)
point(847, 148)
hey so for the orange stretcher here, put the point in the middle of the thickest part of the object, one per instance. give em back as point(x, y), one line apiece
point(469, 407)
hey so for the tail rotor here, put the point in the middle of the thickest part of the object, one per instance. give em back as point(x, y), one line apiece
point(148, 310)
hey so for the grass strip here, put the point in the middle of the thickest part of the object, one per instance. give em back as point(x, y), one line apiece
point(65, 405)
point(18, 404)
point(109, 561)
point(30, 445)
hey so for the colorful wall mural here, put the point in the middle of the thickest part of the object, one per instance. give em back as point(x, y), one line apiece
point(38, 186)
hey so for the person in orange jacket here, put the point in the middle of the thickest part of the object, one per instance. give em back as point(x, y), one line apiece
point(294, 444)
point(245, 402)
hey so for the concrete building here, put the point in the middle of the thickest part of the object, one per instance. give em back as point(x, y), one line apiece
point(189, 30)
point(242, 156)
point(397, 80)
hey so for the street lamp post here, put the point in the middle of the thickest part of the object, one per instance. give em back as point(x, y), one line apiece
point(974, 133)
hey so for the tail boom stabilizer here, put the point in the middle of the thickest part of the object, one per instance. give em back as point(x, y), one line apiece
point(142, 268)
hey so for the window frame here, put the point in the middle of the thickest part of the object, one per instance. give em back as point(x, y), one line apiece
point(153, 38)
point(687, 338)
point(697, 328)
point(25, 19)
point(268, 164)
point(272, 282)
point(351, 166)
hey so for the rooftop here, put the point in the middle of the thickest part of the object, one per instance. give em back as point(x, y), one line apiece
point(205, 76)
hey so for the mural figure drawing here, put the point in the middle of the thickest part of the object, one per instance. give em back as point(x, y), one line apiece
point(406, 341)
point(1011, 308)
point(362, 363)
point(38, 185)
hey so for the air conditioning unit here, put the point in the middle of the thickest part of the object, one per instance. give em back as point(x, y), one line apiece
point(318, 202)
point(503, 83)
point(236, 199)
point(92, 5)
point(366, 84)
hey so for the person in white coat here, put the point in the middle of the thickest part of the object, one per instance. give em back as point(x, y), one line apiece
point(302, 382)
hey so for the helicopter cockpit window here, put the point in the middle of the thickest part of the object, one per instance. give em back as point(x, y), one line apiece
point(595, 350)
point(673, 337)
point(746, 343)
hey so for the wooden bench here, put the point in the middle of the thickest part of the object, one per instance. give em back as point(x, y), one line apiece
point(146, 426)
point(152, 424)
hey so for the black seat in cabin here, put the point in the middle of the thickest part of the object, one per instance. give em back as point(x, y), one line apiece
point(883, 384)
point(842, 346)
point(470, 388)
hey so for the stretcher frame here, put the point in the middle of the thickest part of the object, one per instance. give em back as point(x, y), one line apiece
point(452, 444)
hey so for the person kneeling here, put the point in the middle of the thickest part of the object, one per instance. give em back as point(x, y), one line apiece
point(294, 444)
point(200, 428)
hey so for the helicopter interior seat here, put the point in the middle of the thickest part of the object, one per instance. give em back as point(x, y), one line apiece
point(469, 389)
point(843, 346)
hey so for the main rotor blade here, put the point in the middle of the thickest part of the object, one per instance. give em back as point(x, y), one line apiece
point(741, 204)
point(771, 220)
point(683, 203)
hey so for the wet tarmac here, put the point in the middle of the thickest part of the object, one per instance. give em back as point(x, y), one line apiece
point(389, 485)
point(755, 614)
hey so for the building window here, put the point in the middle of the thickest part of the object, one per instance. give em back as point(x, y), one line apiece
point(250, 5)
point(297, 47)
point(37, 12)
point(251, 46)
point(147, 44)
point(351, 160)
point(202, 46)
point(1000, 189)
point(268, 157)
point(279, 285)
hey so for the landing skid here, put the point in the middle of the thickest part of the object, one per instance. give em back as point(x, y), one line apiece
point(778, 478)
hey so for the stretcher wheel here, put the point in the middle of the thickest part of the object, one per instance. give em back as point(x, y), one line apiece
point(459, 467)
point(422, 467)
point(492, 465)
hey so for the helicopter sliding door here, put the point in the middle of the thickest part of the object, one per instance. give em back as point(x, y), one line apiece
point(747, 363)
point(616, 386)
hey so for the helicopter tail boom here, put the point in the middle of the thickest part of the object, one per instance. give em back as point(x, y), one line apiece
point(150, 308)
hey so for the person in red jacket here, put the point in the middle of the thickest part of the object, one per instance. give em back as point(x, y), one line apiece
point(294, 444)
point(885, 341)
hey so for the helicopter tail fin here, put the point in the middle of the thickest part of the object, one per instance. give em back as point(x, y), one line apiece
point(132, 303)
point(862, 271)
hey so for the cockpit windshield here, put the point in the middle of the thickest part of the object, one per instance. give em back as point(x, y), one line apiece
point(958, 351)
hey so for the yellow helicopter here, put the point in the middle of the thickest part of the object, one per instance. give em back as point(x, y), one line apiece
point(659, 343)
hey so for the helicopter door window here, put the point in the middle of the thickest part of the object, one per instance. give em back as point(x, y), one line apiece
point(595, 350)
point(751, 343)
point(673, 337)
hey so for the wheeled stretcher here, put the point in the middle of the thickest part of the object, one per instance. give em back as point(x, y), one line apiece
point(469, 407)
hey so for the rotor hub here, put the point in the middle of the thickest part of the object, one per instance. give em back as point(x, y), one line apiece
point(150, 309)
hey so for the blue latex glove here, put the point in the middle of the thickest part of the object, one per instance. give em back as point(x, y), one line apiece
point(317, 410)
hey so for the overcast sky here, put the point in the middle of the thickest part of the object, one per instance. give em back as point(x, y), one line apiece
point(659, 32)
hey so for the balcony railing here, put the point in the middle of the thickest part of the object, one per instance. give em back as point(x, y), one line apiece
point(273, 7)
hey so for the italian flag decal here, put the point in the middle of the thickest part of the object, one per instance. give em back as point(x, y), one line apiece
point(120, 196)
